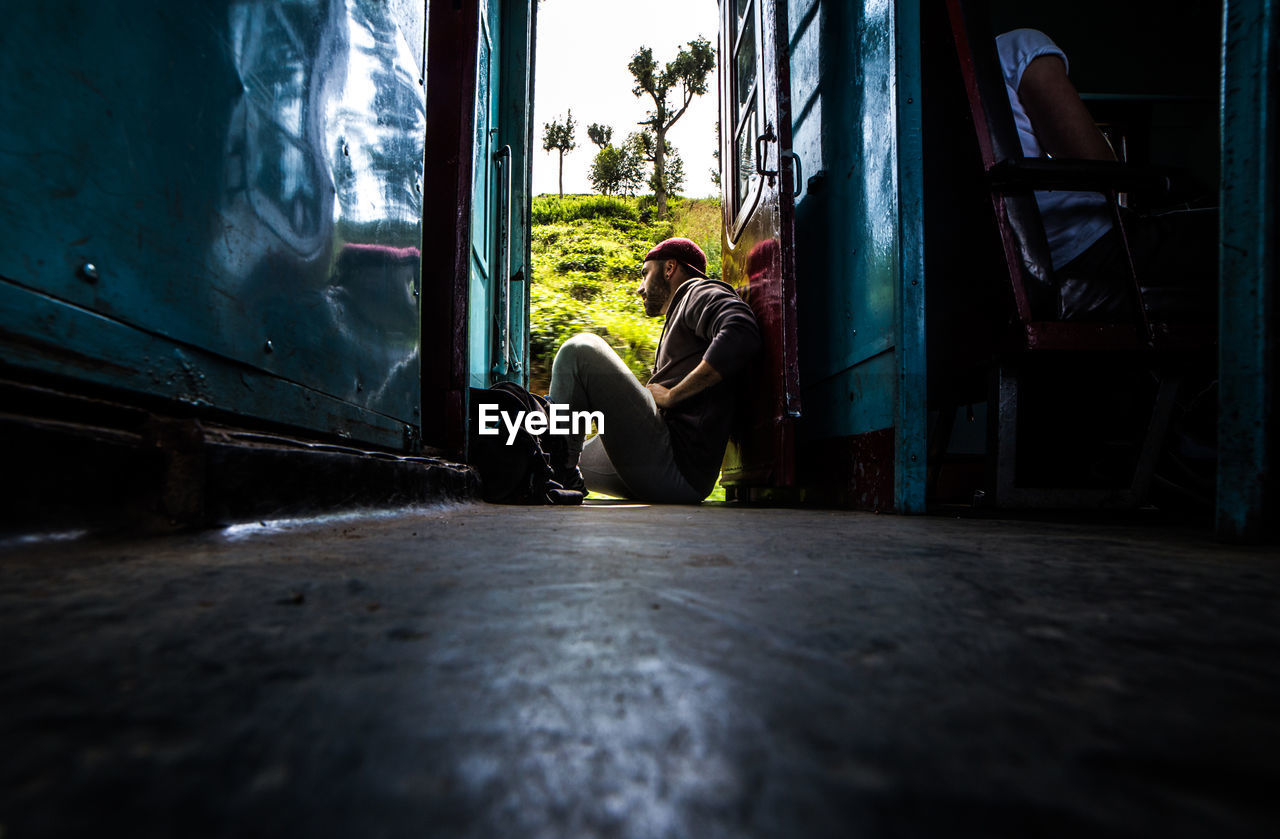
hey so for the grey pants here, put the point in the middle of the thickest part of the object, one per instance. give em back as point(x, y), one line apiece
point(633, 458)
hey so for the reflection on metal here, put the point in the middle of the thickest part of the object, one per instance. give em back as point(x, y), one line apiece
point(256, 170)
point(272, 527)
point(758, 255)
point(26, 539)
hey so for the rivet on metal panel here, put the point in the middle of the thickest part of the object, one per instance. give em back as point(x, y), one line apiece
point(914, 458)
point(89, 271)
point(268, 346)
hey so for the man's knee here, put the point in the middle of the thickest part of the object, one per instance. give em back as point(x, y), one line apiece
point(580, 345)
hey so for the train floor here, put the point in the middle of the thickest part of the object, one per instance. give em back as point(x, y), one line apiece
point(621, 670)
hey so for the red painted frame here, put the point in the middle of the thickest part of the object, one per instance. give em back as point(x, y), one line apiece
point(452, 38)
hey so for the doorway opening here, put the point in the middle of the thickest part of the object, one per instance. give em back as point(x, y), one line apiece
point(594, 200)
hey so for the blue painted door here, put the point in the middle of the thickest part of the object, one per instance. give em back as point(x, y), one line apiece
point(758, 248)
point(855, 91)
point(495, 313)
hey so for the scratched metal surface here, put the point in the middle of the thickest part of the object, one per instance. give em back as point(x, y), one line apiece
point(633, 671)
point(246, 178)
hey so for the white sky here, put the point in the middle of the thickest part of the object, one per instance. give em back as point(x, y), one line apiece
point(583, 50)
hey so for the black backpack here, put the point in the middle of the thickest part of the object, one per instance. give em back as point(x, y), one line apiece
point(519, 473)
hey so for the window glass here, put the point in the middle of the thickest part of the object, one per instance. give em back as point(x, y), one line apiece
point(746, 63)
point(743, 5)
point(744, 157)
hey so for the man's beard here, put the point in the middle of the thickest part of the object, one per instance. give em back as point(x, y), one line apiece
point(655, 300)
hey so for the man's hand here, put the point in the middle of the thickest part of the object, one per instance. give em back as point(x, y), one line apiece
point(661, 395)
point(699, 379)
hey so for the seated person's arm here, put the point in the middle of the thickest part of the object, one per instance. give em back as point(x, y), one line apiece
point(1059, 117)
point(699, 379)
point(729, 326)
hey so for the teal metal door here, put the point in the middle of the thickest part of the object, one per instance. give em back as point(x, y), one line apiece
point(855, 104)
point(485, 274)
point(496, 325)
point(218, 207)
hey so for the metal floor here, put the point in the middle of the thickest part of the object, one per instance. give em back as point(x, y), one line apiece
point(635, 671)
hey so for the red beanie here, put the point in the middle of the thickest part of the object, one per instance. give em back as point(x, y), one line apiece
point(684, 251)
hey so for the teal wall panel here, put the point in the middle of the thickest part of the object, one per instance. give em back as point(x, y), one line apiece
point(911, 440)
point(1247, 306)
point(244, 176)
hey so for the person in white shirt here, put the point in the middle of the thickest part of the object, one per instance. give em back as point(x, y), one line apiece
point(1088, 254)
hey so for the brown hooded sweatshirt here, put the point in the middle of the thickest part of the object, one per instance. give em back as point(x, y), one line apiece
point(708, 321)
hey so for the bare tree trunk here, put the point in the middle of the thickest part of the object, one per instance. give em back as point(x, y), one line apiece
point(660, 172)
point(562, 173)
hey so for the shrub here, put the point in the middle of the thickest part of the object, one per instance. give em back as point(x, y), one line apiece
point(583, 289)
point(586, 263)
point(549, 209)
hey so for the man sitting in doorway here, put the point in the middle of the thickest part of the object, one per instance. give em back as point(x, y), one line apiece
point(663, 442)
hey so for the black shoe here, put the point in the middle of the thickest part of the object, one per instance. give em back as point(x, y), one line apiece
point(570, 477)
point(564, 497)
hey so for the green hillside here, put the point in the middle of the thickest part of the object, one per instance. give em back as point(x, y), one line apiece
point(587, 251)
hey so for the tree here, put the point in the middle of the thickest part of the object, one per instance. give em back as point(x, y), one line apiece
point(617, 170)
point(689, 72)
point(672, 175)
point(558, 137)
point(601, 135)
point(645, 147)
point(715, 173)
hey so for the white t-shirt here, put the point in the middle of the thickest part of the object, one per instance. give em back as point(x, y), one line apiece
point(1072, 220)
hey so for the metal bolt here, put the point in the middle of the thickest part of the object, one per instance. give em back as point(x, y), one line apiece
point(268, 346)
point(89, 271)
